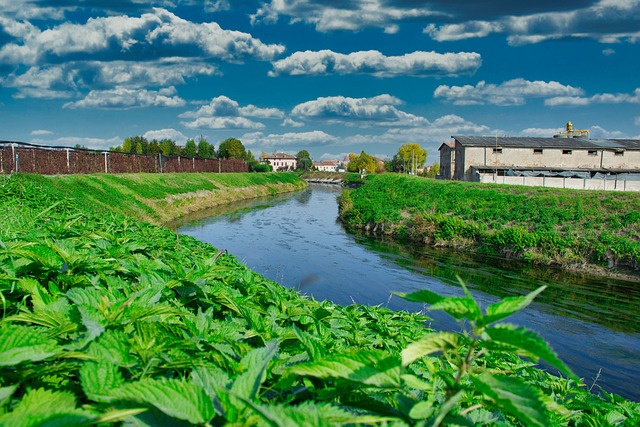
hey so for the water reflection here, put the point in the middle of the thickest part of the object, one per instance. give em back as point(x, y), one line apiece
point(297, 241)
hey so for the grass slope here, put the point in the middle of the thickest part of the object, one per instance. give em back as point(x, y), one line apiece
point(545, 225)
point(108, 320)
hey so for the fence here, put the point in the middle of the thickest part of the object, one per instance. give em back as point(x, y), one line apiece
point(605, 183)
point(47, 160)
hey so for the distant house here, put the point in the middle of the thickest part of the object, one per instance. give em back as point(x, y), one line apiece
point(574, 161)
point(280, 161)
point(327, 165)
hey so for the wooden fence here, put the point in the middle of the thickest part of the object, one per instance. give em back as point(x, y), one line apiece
point(46, 160)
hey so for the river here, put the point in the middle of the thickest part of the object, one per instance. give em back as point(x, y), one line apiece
point(298, 241)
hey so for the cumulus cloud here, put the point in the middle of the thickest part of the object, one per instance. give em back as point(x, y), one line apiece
point(540, 132)
point(170, 133)
point(375, 63)
point(153, 34)
point(223, 123)
point(377, 111)
point(41, 132)
point(327, 17)
point(295, 139)
point(601, 98)
point(225, 113)
point(123, 98)
point(511, 92)
point(292, 123)
point(608, 21)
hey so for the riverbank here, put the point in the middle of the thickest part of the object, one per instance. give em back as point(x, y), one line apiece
point(165, 198)
point(107, 318)
point(589, 231)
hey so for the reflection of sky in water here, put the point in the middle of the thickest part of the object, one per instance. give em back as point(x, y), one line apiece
point(299, 243)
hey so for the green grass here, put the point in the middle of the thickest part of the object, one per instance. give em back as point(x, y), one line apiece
point(538, 224)
point(109, 320)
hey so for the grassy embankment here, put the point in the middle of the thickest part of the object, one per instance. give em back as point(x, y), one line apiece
point(571, 228)
point(107, 319)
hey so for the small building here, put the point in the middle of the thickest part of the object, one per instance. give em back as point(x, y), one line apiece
point(281, 161)
point(542, 161)
point(326, 165)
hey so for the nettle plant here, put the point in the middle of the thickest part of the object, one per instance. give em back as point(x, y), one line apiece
point(478, 379)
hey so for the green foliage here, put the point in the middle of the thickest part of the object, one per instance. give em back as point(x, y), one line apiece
point(205, 149)
point(410, 156)
point(108, 320)
point(363, 162)
point(303, 159)
point(232, 148)
point(190, 149)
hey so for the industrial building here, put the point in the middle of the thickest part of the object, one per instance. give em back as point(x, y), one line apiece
point(568, 160)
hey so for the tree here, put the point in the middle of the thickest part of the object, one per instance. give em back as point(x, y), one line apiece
point(232, 148)
point(433, 171)
point(154, 147)
point(362, 162)
point(303, 160)
point(135, 144)
point(409, 158)
point(169, 148)
point(190, 149)
point(205, 150)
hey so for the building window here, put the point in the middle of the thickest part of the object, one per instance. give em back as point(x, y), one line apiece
point(537, 151)
point(566, 151)
point(593, 152)
point(619, 153)
point(497, 150)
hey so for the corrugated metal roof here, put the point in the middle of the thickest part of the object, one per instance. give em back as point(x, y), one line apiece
point(527, 142)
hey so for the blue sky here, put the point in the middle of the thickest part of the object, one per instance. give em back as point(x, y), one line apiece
point(331, 77)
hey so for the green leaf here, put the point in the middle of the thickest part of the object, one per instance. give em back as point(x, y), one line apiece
point(178, 399)
point(42, 407)
point(431, 343)
point(368, 367)
point(112, 346)
point(459, 307)
point(255, 362)
point(21, 343)
point(509, 306)
point(514, 397)
point(99, 378)
point(423, 295)
point(528, 344)
point(6, 393)
point(312, 345)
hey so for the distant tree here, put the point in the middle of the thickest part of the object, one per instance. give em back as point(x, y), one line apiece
point(126, 146)
point(409, 154)
point(232, 148)
point(363, 161)
point(263, 155)
point(262, 167)
point(303, 160)
point(154, 147)
point(190, 149)
point(117, 149)
point(80, 147)
point(136, 144)
point(433, 171)
point(169, 148)
point(205, 150)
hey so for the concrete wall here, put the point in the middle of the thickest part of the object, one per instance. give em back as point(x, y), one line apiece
point(555, 182)
point(447, 162)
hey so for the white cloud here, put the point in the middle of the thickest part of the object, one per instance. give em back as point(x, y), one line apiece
point(290, 122)
point(157, 34)
point(608, 52)
point(223, 123)
point(41, 132)
point(359, 14)
point(160, 134)
point(223, 112)
point(377, 111)
point(540, 132)
point(596, 21)
point(511, 92)
point(375, 63)
point(316, 137)
point(123, 98)
point(636, 121)
point(601, 98)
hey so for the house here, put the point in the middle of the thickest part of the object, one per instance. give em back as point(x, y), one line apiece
point(327, 165)
point(565, 160)
point(280, 161)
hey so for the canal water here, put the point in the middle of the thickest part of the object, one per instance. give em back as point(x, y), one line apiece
point(297, 241)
